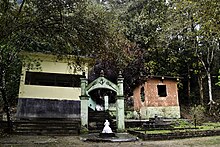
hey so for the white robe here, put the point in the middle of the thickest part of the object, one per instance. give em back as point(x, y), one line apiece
point(107, 129)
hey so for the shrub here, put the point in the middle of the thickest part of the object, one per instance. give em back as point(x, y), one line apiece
point(198, 114)
point(181, 123)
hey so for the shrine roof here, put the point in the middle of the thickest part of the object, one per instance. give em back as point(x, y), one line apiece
point(163, 77)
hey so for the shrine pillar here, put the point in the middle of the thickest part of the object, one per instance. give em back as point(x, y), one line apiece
point(106, 102)
point(84, 103)
point(120, 104)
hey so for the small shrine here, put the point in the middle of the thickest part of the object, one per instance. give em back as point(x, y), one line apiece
point(102, 83)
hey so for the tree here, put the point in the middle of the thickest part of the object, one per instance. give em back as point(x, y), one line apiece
point(178, 37)
point(195, 25)
point(143, 22)
point(208, 42)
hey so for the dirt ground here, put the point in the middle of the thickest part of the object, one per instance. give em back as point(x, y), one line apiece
point(74, 141)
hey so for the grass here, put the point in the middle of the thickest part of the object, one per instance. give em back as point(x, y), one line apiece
point(216, 125)
point(157, 132)
point(182, 128)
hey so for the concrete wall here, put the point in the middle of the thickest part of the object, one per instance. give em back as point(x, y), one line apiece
point(50, 64)
point(47, 108)
point(49, 92)
point(166, 112)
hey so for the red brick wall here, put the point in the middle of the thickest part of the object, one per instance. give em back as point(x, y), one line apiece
point(137, 98)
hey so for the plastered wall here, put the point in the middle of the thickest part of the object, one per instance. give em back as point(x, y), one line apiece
point(50, 64)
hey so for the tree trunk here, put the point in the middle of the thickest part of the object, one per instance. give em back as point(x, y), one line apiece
point(189, 87)
point(210, 89)
point(6, 104)
point(201, 92)
point(189, 91)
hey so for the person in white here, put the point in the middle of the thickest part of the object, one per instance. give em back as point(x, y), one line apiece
point(107, 129)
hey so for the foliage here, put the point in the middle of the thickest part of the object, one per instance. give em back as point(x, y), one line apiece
point(84, 130)
point(198, 114)
point(143, 21)
point(75, 27)
point(218, 83)
point(214, 112)
point(179, 123)
point(198, 36)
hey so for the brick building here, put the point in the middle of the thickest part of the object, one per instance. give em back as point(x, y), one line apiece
point(157, 96)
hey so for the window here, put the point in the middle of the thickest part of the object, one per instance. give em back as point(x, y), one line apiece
point(52, 79)
point(162, 91)
point(142, 94)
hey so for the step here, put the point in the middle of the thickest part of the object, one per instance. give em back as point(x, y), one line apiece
point(45, 132)
point(97, 120)
point(47, 127)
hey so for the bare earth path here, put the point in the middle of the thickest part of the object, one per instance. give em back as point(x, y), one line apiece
point(74, 141)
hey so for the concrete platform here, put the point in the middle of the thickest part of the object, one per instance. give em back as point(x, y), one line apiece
point(119, 137)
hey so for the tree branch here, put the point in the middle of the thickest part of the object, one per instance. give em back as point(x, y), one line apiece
point(203, 63)
point(208, 56)
point(21, 6)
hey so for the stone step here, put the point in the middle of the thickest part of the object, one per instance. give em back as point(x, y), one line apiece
point(43, 124)
point(46, 132)
point(43, 132)
point(46, 127)
point(47, 121)
point(97, 119)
